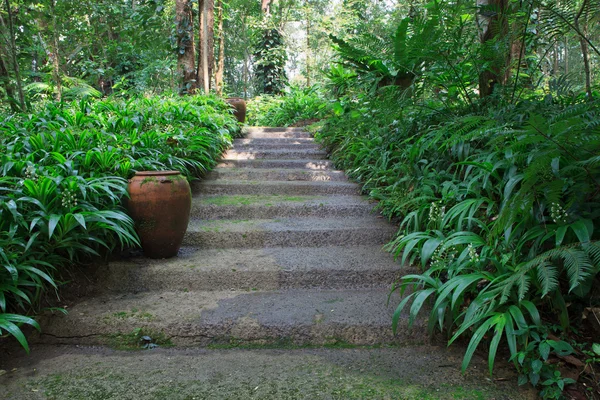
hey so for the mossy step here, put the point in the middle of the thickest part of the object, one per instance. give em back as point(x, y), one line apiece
point(188, 318)
point(272, 133)
point(334, 267)
point(260, 372)
point(275, 154)
point(282, 164)
point(240, 146)
point(261, 141)
point(277, 174)
point(287, 232)
point(294, 188)
point(277, 206)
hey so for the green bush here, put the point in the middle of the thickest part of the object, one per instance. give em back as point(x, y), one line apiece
point(64, 174)
point(297, 105)
point(498, 207)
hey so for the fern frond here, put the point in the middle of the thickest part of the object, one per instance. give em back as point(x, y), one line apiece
point(547, 275)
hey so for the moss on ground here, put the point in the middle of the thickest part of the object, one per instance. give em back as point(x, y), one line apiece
point(249, 200)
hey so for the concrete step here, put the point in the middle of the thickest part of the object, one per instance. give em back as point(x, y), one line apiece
point(275, 133)
point(288, 232)
point(283, 373)
point(275, 154)
point(281, 164)
point(273, 141)
point(275, 146)
point(272, 174)
point(335, 267)
point(355, 316)
point(267, 207)
point(294, 188)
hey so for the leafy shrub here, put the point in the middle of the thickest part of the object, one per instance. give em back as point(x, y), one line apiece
point(295, 106)
point(498, 206)
point(63, 178)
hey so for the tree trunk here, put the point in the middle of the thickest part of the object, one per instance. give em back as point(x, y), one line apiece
point(55, 53)
point(566, 55)
point(493, 24)
point(245, 73)
point(220, 68)
point(8, 87)
point(307, 48)
point(210, 40)
point(201, 21)
point(584, 48)
point(185, 46)
point(206, 43)
point(13, 55)
point(266, 7)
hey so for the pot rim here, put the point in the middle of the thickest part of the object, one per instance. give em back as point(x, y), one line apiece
point(157, 173)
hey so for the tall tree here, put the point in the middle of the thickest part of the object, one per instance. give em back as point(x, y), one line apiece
point(493, 28)
point(55, 53)
point(185, 45)
point(11, 44)
point(220, 64)
point(206, 55)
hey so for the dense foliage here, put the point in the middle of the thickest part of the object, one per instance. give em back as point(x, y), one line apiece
point(63, 180)
point(297, 106)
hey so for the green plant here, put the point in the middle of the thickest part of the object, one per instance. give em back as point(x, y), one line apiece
point(64, 177)
point(498, 209)
point(296, 105)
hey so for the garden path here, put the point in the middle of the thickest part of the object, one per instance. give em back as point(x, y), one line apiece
point(282, 284)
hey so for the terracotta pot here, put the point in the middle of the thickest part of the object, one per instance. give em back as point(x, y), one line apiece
point(240, 108)
point(160, 203)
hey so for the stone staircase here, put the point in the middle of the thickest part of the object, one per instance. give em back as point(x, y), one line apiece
point(280, 248)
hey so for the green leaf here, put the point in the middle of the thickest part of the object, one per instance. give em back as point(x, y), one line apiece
point(476, 339)
point(498, 330)
point(14, 331)
point(428, 249)
point(544, 349)
point(418, 304)
point(561, 347)
point(80, 219)
point(536, 366)
point(560, 234)
point(596, 348)
point(398, 312)
point(581, 230)
point(54, 219)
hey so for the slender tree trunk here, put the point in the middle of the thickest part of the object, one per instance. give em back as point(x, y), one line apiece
point(8, 87)
point(201, 22)
point(220, 68)
point(210, 40)
point(245, 73)
point(206, 43)
point(185, 46)
point(584, 47)
point(13, 55)
point(493, 25)
point(555, 63)
point(566, 55)
point(266, 7)
point(308, 48)
point(55, 53)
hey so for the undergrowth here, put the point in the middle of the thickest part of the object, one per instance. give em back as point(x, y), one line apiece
point(298, 105)
point(497, 206)
point(63, 177)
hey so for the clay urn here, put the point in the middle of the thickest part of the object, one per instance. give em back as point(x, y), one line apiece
point(160, 203)
point(239, 106)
